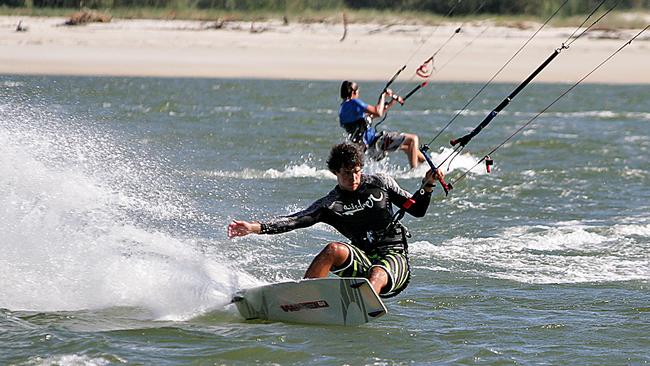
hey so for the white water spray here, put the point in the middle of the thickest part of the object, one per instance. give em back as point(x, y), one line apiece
point(76, 214)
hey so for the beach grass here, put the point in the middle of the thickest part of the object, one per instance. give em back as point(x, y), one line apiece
point(616, 20)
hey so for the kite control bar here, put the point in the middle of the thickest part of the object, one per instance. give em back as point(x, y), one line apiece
point(445, 187)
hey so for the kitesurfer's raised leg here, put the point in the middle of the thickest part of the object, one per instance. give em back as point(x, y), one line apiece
point(333, 255)
point(337, 255)
point(411, 148)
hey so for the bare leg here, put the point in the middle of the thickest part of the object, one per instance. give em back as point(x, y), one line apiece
point(378, 278)
point(334, 254)
point(411, 148)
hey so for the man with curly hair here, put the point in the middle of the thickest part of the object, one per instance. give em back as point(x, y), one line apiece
point(360, 207)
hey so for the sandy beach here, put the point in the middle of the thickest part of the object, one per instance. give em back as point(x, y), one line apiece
point(178, 48)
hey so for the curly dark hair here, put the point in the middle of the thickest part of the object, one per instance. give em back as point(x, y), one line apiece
point(344, 155)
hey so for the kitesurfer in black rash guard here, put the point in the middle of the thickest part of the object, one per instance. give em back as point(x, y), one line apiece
point(360, 207)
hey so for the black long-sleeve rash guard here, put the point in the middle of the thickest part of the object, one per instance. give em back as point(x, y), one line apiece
point(361, 216)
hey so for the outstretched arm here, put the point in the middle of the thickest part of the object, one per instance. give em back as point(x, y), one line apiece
point(298, 220)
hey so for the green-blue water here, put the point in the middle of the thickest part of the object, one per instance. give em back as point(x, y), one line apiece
point(115, 194)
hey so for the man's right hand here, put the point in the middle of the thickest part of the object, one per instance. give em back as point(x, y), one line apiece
point(431, 178)
point(243, 228)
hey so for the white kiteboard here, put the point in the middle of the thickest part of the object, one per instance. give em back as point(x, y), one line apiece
point(331, 301)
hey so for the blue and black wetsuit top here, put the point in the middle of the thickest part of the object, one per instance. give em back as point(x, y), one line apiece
point(352, 114)
point(362, 216)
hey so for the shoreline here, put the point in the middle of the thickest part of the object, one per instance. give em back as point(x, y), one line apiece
point(305, 51)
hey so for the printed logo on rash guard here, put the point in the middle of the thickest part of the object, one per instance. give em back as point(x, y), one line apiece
point(353, 208)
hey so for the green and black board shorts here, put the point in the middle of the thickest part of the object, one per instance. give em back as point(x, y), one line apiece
point(392, 260)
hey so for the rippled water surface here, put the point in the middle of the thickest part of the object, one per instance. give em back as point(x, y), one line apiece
point(116, 193)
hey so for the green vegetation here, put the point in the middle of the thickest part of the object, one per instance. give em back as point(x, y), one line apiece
point(504, 12)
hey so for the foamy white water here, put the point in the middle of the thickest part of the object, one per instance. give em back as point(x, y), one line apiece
point(390, 165)
point(72, 236)
point(570, 252)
